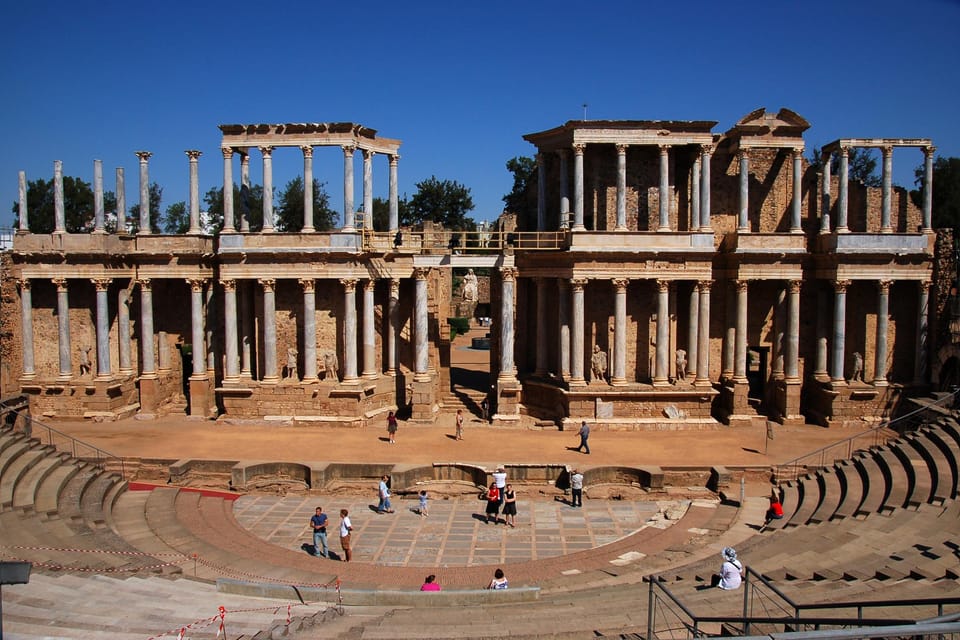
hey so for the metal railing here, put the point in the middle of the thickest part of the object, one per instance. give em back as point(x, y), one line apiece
point(463, 242)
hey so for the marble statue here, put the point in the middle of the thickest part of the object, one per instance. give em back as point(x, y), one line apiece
point(598, 363)
point(681, 365)
point(470, 293)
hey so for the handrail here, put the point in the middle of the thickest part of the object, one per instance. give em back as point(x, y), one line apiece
point(77, 448)
point(463, 242)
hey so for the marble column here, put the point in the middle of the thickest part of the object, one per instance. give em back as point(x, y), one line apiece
point(394, 199)
point(348, 212)
point(63, 328)
point(144, 227)
point(886, 199)
point(267, 153)
point(148, 363)
point(98, 221)
point(163, 352)
point(121, 196)
point(693, 330)
point(621, 187)
point(705, 157)
point(843, 190)
point(703, 336)
point(661, 374)
point(350, 330)
point(123, 328)
point(209, 324)
point(541, 192)
point(839, 330)
point(26, 322)
point(196, 328)
point(564, 189)
point(779, 325)
point(740, 340)
point(230, 332)
point(923, 337)
point(730, 331)
point(308, 192)
point(369, 332)
point(820, 361)
point(22, 209)
point(743, 220)
point(619, 374)
point(270, 330)
point(927, 188)
point(246, 328)
point(883, 316)
point(367, 189)
point(695, 195)
point(194, 156)
point(421, 360)
point(229, 224)
point(576, 332)
point(797, 196)
point(542, 312)
point(563, 321)
point(578, 150)
point(664, 188)
point(309, 329)
point(245, 190)
point(508, 277)
point(102, 286)
point(59, 217)
point(826, 202)
point(393, 326)
point(791, 365)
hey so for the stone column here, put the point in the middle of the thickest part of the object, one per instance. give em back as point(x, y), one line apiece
point(229, 224)
point(245, 187)
point(369, 332)
point(230, 333)
point(348, 213)
point(148, 363)
point(267, 153)
point(779, 338)
point(309, 330)
point(887, 195)
point(825, 204)
point(695, 196)
point(703, 336)
point(740, 341)
point(121, 202)
point(194, 156)
point(927, 188)
point(123, 328)
point(820, 363)
point(270, 330)
point(619, 374)
point(564, 189)
point(576, 332)
point(541, 192)
point(839, 330)
point(394, 200)
point(661, 374)
point(26, 321)
point(706, 155)
point(421, 360)
point(791, 365)
point(693, 330)
point(664, 188)
point(163, 352)
point(196, 328)
point(308, 190)
point(621, 187)
point(209, 324)
point(843, 195)
point(63, 328)
point(797, 201)
point(103, 327)
point(393, 326)
point(743, 220)
point(578, 187)
point(98, 197)
point(563, 321)
point(542, 349)
point(246, 329)
point(367, 189)
point(144, 192)
point(59, 217)
point(883, 312)
point(350, 330)
point(923, 314)
point(730, 330)
point(22, 209)
point(508, 277)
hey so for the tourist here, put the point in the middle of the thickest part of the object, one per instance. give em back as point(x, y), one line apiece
point(775, 512)
point(731, 571)
point(430, 584)
point(345, 528)
point(576, 489)
point(509, 505)
point(493, 503)
point(499, 581)
point(423, 504)
point(319, 523)
point(500, 477)
point(459, 424)
point(383, 490)
point(584, 434)
point(392, 427)
point(485, 409)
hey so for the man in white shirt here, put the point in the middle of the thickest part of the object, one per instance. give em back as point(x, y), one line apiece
point(576, 488)
point(500, 477)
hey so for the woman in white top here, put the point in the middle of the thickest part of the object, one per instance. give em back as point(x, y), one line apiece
point(731, 571)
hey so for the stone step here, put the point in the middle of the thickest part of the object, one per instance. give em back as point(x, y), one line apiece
point(874, 484)
point(25, 493)
point(14, 473)
point(853, 489)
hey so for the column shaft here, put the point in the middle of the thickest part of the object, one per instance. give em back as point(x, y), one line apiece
point(795, 209)
point(927, 188)
point(270, 330)
point(563, 321)
point(194, 156)
point(578, 150)
point(121, 196)
point(743, 221)
point(26, 321)
point(792, 347)
point(196, 326)
point(508, 277)
point(693, 330)
point(887, 196)
point(103, 328)
point(421, 354)
point(825, 204)
point(309, 329)
point(230, 332)
point(883, 311)
point(267, 153)
point(779, 334)
point(619, 374)
point(148, 364)
point(695, 188)
point(662, 372)
point(839, 330)
point(98, 197)
point(542, 349)
point(740, 340)
point(576, 332)
point(664, 188)
point(22, 209)
point(393, 326)
point(229, 223)
point(564, 190)
point(209, 323)
point(820, 363)
point(59, 218)
point(621, 187)
point(369, 332)
point(394, 200)
point(348, 213)
point(63, 328)
point(367, 189)
point(245, 187)
point(144, 157)
point(703, 336)
point(308, 193)
point(246, 328)
point(705, 188)
point(923, 337)
point(844, 189)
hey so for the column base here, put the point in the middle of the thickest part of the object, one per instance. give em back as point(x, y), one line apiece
point(618, 382)
point(149, 386)
point(423, 402)
point(200, 397)
point(881, 383)
point(270, 380)
point(661, 382)
point(351, 382)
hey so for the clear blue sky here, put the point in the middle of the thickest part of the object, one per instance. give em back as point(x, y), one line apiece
point(458, 82)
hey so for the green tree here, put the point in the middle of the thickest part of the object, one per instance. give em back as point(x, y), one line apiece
point(77, 206)
point(176, 219)
point(381, 212)
point(245, 202)
point(522, 200)
point(443, 201)
point(290, 207)
point(156, 196)
point(861, 165)
point(946, 192)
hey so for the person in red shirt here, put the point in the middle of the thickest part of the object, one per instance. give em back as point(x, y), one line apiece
point(493, 503)
point(775, 512)
point(430, 584)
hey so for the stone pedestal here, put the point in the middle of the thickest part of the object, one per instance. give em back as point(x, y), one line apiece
point(423, 406)
point(149, 387)
point(788, 403)
point(738, 404)
point(509, 394)
point(201, 397)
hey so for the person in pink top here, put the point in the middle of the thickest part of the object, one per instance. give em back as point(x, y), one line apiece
point(430, 584)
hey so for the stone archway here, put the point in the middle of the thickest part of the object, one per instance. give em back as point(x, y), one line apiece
point(945, 369)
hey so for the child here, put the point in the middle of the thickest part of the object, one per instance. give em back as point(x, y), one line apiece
point(423, 503)
point(459, 424)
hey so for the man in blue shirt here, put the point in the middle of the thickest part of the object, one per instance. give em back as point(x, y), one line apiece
point(584, 434)
point(319, 524)
point(384, 491)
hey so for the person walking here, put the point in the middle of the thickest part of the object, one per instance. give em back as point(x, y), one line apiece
point(423, 504)
point(319, 523)
point(383, 489)
point(493, 503)
point(576, 489)
point(345, 528)
point(584, 434)
point(392, 427)
point(509, 505)
point(459, 424)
